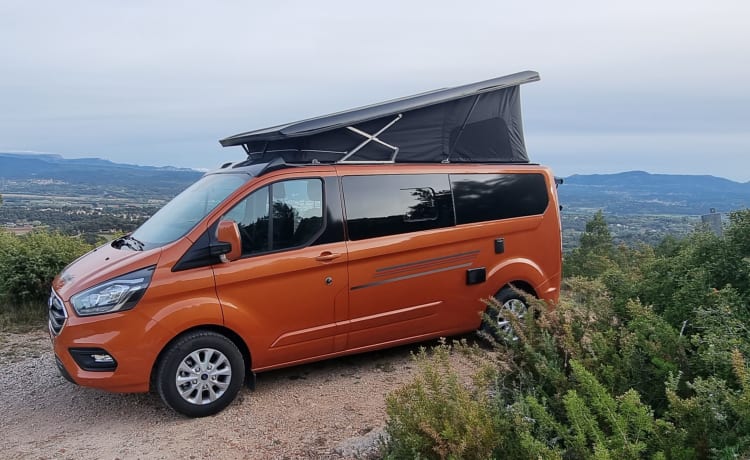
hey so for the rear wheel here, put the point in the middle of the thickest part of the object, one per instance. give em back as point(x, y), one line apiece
point(511, 303)
point(200, 373)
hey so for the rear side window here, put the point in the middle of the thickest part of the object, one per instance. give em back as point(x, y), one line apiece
point(295, 217)
point(483, 197)
point(394, 204)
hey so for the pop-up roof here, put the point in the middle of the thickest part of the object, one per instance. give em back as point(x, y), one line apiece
point(479, 122)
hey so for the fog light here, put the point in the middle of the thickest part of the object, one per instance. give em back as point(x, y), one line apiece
point(103, 358)
point(93, 359)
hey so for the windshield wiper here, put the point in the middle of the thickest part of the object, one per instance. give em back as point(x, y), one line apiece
point(128, 241)
point(137, 242)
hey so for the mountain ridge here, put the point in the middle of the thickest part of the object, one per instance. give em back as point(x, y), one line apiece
point(641, 175)
point(627, 192)
point(640, 192)
point(57, 159)
point(22, 173)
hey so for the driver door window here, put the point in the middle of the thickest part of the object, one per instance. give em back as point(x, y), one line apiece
point(296, 217)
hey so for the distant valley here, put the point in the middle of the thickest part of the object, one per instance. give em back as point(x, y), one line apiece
point(53, 174)
point(92, 196)
point(638, 192)
point(89, 197)
point(633, 192)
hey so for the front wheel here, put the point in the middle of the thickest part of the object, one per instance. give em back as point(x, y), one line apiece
point(200, 373)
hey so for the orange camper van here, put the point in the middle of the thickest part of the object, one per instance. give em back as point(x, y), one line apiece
point(345, 233)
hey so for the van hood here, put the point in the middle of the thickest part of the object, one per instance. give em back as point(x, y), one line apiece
point(99, 265)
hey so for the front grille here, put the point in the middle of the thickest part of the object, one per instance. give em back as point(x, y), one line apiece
point(57, 314)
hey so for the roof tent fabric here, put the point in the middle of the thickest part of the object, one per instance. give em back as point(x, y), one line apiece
point(479, 122)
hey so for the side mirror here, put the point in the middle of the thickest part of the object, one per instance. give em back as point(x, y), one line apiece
point(229, 245)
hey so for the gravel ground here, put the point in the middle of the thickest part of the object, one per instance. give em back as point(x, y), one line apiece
point(330, 409)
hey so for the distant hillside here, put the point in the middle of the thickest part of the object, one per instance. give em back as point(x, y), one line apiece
point(53, 174)
point(634, 192)
point(638, 192)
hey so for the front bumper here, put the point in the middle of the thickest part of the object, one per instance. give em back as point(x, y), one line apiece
point(132, 341)
point(63, 371)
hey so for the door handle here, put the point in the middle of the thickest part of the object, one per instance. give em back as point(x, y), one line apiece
point(327, 256)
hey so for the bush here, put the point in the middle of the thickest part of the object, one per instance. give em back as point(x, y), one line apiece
point(28, 263)
point(438, 415)
point(738, 233)
point(644, 357)
point(595, 254)
point(715, 415)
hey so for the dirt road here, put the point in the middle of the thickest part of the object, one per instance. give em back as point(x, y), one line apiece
point(331, 409)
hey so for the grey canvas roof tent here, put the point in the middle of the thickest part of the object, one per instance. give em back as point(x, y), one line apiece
point(478, 122)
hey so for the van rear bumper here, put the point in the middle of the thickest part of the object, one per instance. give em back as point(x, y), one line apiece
point(549, 290)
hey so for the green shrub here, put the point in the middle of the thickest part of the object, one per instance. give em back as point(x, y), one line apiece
point(644, 357)
point(716, 416)
point(680, 284)
point(545, 403)
point(738, 232)
point(440, 415)
point(648, 350)
point(721, 328)
point(595, 254)
point(28, 263)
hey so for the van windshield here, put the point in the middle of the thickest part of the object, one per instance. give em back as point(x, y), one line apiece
point(188, 208)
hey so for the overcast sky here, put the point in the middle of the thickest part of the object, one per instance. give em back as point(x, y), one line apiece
point(661, 86)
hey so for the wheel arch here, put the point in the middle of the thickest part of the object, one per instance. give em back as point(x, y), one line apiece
point(522, 273)
point(219, 329)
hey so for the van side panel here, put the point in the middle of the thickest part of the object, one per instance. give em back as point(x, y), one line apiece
point(414, 284)
point(404, 285)
point(281, 303)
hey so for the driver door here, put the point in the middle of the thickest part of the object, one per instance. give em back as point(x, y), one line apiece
point(283, 292)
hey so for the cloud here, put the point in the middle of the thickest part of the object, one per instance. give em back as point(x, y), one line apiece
point(163, 81)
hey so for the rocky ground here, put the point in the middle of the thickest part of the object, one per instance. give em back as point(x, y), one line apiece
point(330, 409)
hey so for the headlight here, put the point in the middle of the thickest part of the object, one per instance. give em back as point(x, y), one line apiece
point(118, 294)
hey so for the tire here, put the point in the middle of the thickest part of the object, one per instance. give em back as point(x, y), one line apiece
point(200, 373)
point(501, 328)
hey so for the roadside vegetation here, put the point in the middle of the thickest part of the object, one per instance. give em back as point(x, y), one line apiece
point(646, 356)
point(28, 263)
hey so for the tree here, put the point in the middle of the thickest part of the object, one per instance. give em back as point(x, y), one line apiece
point(597, 237)
point(596, 253)
point(738, 232)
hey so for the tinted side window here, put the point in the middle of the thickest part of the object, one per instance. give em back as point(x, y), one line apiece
point(483, 197)
point(392, 204)
point(296, 217)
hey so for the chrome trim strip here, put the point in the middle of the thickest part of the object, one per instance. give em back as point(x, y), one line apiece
point(413, 275)
point(426, 261)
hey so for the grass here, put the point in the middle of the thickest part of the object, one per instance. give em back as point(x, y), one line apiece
point(17, 347)
point(22, 331)
point(23, 317)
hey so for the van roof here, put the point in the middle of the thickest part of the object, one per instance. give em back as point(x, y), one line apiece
point(478, 122)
